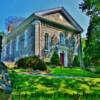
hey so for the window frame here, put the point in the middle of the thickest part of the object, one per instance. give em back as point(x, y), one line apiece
point(46, 46)
point(62, 39)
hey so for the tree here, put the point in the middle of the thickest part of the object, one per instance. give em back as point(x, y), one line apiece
point(94, 39)
point(55, 60)
point(1, 36)
point(76, 62)
point(92, 50)
point(91, 7)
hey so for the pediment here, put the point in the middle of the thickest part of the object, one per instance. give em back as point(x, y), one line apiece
point(59, 18)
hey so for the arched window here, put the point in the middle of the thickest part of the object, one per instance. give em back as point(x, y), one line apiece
point(67, 42)
point(46, 41)
point(62, 39)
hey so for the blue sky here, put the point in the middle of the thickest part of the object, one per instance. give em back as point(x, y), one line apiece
point(26, 7)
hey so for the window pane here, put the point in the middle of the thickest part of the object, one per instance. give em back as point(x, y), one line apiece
point(46, 41)
point(62, 39)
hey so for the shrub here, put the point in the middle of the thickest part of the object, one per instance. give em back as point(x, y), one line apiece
point(55, 60)
point(40, 65)
point(95, 61)
point(48, 63)
point(76, 61)
point(31, 62)
point(86, 60)
point(97, 69)
point(21, 63)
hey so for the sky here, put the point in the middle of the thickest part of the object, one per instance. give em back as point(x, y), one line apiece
point(24, 8)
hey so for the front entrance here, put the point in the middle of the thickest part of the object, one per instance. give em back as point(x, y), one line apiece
point(62, 58)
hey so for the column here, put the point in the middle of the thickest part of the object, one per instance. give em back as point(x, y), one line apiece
point(37, 38)
point(65, 59)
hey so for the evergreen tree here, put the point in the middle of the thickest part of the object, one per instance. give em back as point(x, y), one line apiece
point(92, 50)
point(55, 60)
point(1, 36)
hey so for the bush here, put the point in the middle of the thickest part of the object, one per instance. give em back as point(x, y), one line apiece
point(95, 61)
point(31, 62)
point(21, 63)
point(86, 60)
point(48, 63)
point(97, 69)
point(76, 61)
point(55, 60)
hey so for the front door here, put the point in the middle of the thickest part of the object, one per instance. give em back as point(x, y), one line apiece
point(62, 58)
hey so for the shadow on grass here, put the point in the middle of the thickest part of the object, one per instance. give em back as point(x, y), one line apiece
point(50, 87)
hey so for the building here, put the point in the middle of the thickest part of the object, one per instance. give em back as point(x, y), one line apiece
point(41, 34)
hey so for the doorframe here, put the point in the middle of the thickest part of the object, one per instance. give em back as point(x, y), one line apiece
point(62, 58)
point(65, 57)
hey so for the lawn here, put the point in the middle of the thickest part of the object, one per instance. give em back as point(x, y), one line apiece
point(72, 72)
point(28, 87)
point(64, 71)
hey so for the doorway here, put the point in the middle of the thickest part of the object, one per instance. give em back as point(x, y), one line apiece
point(62, 58)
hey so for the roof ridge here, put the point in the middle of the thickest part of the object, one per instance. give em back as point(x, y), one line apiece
point(48, 10)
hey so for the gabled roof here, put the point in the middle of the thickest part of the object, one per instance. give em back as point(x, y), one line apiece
point(38, 15)
point(65, 14)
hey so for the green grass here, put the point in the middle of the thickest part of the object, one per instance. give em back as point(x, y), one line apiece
point(27, 86)
point(72, 72)
point(20, 70)
point(76, 71)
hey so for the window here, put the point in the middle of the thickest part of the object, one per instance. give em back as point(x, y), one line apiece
point(67, 42)
point(10, 51)
point(8, 48)
point(62, 39)
point(46, 41)
point(17, 43)
point(5, 49)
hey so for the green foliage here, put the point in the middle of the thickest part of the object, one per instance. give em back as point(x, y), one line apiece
point(91, 7)
point(97, 69)
point(22, 63)
point(55, 60)
point(48, 63)
point(86, 57)
point(92, 50)
point(76, 61)
point(31, 62)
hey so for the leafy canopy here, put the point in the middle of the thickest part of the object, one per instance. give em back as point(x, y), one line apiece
point(92, 50)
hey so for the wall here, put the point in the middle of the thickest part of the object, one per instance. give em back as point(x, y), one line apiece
point(22, 49)
point(54, 31)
